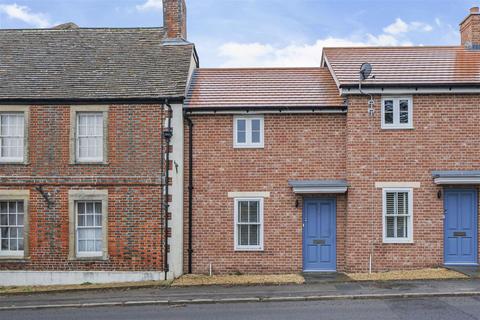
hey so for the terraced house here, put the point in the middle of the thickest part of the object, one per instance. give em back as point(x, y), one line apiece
point(303, 170)
point(122, 160)
point(86, 119)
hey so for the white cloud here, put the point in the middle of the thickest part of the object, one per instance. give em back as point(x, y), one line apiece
point(23, 13)
point(257, 54)
point(156, 5)
point(400, 26)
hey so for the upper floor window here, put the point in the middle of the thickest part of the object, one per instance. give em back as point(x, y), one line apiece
point(12, 137)
point(248, 132)
point(397, 113)
point(397, 215)
point(90, 136)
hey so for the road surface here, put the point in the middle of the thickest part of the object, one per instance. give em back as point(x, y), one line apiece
point(457, 308)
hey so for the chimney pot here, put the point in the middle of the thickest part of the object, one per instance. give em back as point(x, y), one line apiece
point(474, 10)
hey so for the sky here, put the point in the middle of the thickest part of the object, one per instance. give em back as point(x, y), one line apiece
point(262, 33)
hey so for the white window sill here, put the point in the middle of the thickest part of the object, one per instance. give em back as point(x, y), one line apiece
point(397, 127)
point(248, 146)
point(12, 255)
point(398, 241)
point(248, 248)
point(12, 160)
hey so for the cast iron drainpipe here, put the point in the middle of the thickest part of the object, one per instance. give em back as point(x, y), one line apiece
point(190, 190)
point(167, 134)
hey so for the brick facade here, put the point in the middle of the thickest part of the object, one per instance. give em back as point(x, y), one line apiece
point(352, 147)
point(132, 177)
point(305, 146)
point(445, 137)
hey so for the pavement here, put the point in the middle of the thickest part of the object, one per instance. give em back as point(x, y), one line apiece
point(328, 289)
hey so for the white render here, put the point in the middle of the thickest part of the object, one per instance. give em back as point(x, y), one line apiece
point(41, 278)
point(175, 256)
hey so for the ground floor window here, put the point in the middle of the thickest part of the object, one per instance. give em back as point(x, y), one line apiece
point(397, 215)
point(249, 224)
point(88, 213)
point(89, 228)
point(12, 215)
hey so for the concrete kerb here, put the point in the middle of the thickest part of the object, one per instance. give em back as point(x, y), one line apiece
point(246, 300)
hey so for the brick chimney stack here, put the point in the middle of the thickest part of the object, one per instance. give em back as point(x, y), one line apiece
point(175, 19)
point(470, 29)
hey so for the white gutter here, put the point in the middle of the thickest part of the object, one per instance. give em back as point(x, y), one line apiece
point(411, 90)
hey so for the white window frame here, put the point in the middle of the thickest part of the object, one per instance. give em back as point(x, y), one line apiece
point(74, 145)
point(408, 239)
point(248, 128)
point(22, 196)
point(77, 138)
point(83, 254)
point(396, 113)
point(23, 110)
point(237, 246)
point(75, 196)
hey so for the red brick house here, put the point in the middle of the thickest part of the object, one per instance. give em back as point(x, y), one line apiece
point(121, 160)
point(86, 117)
point(291, 170)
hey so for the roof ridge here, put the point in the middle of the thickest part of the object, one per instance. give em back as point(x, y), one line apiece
point(260, 68)
point(395, 47)
point(82, 29)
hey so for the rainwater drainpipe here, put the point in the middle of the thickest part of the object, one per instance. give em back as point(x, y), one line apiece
point(167, 134)
point(190, 190)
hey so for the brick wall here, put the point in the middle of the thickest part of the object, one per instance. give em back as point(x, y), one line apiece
point(310, 146)
point(132, 177)
point(445, 137)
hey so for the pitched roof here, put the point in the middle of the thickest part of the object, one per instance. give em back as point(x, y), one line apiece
point(406, 65)
point(91, 63)
point(263, 87)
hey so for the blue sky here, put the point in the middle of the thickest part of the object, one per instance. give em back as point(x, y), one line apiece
point(239, 33)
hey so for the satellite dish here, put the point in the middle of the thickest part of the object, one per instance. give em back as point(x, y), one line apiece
point(365, 71)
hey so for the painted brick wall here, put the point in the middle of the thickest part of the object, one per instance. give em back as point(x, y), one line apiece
point(132, 178)
point(308, 146)
point(445, 137)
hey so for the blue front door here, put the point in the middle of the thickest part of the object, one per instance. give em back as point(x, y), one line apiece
point(319, 245)
point(460, 245)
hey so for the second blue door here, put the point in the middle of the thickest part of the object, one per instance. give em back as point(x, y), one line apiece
point(319, 235)
point(461, 226)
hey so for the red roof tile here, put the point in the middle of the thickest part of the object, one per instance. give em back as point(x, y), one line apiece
point(406, 65)
point(263, 87)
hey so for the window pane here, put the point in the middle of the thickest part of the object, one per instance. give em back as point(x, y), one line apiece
point(253, 212)
point(243, 211)
point(390, 205)
point(243, 234)
point(3, 207)
point(255, 136)
point(98, 207)
point(241, 131)
point(390, 227)
point(401, 227)
point(388, 111)
point(254, 235)
point(241, 125)
point(89, 206)
point(98, 220)
point(256, 130)
point(402, 204)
